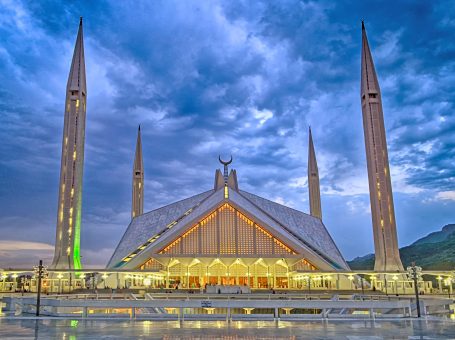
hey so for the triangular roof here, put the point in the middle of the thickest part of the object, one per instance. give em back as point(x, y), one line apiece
point(149, 233)
point(145, 226)
point(308, 229)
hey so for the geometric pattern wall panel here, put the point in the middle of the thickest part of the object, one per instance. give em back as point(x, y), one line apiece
point(226, 231)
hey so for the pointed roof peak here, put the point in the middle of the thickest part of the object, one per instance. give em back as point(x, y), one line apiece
point(139, 129)
point(80, 21)
point(363, 25)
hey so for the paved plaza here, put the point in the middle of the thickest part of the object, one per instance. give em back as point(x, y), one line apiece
point(29, 328)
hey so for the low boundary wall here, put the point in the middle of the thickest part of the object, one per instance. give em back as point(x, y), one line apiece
point(135, 308)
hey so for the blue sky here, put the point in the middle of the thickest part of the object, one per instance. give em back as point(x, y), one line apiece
point(205, 78)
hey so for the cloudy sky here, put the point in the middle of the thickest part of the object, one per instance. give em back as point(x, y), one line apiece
point(224, 77)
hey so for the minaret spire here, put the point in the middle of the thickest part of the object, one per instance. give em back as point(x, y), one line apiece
point(67, 244)
point(76, 79)
point(381, 197)
point(313, 180)
point(137, 206)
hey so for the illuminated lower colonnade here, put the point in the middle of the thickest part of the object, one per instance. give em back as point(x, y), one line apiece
point(22, 280)
point(255, 273)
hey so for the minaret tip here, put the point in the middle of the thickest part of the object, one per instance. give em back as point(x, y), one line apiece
point(363, 25)
point(137, 207)
point(314, 190)
point(77, 77)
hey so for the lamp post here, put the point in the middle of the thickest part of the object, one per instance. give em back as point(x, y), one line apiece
point(41, 273)
point(415, 273)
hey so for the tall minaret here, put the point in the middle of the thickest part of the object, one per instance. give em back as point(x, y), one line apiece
point(67, 243)
point(381, 197)
point(137, 207)
point(313, 181)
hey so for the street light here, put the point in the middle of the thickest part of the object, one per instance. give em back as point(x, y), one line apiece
point(415, 273)
point(40, 273)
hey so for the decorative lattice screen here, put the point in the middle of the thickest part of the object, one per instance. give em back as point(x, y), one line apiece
point(226, 231)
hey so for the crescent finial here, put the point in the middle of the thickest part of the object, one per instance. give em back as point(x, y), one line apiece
point(225, 162)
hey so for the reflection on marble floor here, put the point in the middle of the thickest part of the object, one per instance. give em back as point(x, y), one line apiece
point(120, 329)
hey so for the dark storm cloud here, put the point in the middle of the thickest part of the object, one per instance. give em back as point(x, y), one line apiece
point(225, 77)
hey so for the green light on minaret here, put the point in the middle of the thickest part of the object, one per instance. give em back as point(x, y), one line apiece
point(77, 238)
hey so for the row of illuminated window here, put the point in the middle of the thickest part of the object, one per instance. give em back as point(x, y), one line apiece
point(156, 236)
point(219, 269)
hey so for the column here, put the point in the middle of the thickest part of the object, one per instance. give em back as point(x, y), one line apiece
point(274, 276)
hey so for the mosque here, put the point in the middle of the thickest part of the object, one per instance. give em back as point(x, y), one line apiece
point(225, 235)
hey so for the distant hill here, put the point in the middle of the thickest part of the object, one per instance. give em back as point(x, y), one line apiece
point(436, 251)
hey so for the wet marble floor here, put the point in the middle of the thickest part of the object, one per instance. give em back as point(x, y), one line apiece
point(124, 329)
